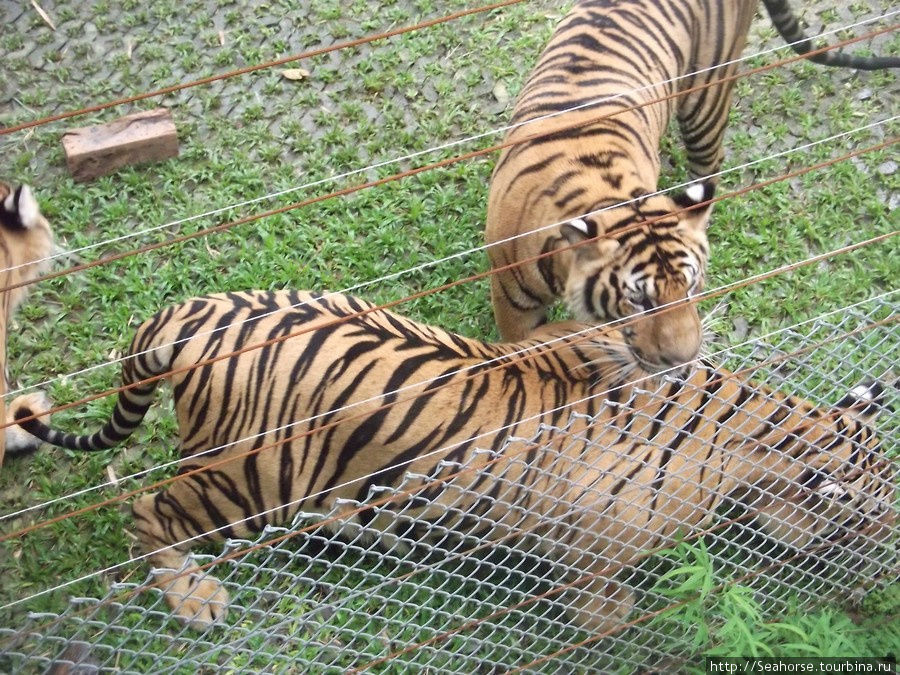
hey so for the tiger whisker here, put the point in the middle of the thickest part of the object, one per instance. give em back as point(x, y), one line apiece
point(712, 326)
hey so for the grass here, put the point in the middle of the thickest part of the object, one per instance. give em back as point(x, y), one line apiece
point(732, 621)
point(259, 134)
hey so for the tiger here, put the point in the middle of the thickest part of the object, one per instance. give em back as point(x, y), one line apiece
point(26, 241)
point(356, 397)
point(573, 180)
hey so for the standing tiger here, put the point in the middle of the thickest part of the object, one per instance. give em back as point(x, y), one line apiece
point(357, 397)
point(613, 58)
point(25, 242)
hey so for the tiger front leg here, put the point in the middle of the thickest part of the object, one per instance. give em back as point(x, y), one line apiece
point(595, 539)
point(516, 313)
point(597, 603)
point(194, 596)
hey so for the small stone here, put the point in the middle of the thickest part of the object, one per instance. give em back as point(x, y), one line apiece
point(500, 92)
point(741, 328)
point(887, 168)
point(864, 95)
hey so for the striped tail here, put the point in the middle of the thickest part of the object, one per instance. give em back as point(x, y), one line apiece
point(789, 27)
point(130, 409)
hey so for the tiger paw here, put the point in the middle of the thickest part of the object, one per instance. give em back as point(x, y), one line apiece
point(601, 607)
point(197, 599)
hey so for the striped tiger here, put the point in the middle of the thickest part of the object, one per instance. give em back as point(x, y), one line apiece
point(613, 58)
point(358, 396)
point(25, 237)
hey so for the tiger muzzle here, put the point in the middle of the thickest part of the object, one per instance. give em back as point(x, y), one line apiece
point(666, 340)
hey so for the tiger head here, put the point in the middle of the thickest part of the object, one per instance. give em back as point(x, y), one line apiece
point(633, 268)
point(829, 484)
point(26, 240)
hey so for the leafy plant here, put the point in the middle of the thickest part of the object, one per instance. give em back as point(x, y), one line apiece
point(721, 617)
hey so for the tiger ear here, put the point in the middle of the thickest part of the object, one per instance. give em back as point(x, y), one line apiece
point(693, 194)
point(577, 233)
point(865, 401)
point(29, 211)
point(19, 208)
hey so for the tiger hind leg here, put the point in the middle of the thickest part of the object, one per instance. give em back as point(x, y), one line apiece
point(703, 113)
point(194, 596)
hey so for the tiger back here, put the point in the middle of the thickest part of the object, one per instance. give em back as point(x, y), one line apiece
point(331, 398)
point(25, 242)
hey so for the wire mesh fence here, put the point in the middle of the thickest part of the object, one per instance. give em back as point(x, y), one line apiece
point(520, 574)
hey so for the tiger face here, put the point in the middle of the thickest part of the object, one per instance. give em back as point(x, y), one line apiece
point(643, 270)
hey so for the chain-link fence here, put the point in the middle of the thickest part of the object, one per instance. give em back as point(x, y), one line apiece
point(529, 587)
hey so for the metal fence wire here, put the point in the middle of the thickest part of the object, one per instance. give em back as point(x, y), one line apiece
point(428, 600)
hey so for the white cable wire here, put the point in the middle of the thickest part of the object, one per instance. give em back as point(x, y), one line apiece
point(443, 450)
point(453, 256)
point(448, 145)
point(720, 289)
point(400, 390)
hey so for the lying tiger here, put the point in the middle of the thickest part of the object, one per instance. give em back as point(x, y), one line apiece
point(361, 396)
point(26, 241)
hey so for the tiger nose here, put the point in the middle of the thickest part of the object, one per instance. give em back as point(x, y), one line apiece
point(678, 343)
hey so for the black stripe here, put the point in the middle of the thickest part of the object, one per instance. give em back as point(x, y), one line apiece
point(534, 168)
point(588, 291)
point(545, 265)
point(631, 474)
